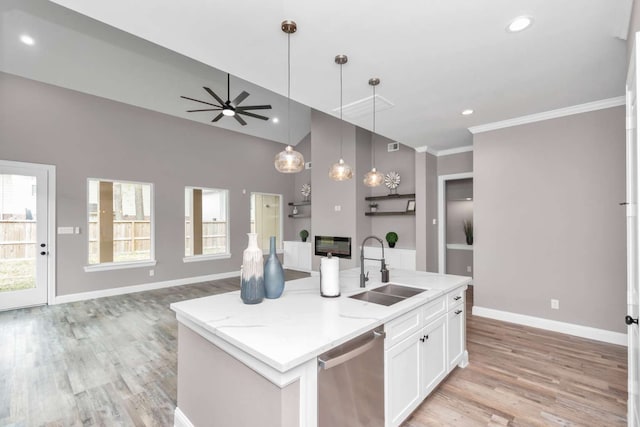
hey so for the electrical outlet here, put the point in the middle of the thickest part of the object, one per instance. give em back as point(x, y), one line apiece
point(435, 221)
point(468, 269)
point(555, 304)
point(337, 208)
point(152, 272)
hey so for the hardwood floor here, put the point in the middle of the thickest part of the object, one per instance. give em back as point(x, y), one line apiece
point(112, 362)
point(520, 376)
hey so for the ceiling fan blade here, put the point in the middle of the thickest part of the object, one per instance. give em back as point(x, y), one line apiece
point(212, 93)
point(239, 119)
point(256, 116)
point(255, 107)
point(218, 117)
point(239, 98)
point(206, 109)
point(202, 102)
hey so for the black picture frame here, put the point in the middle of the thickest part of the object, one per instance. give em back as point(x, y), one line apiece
point(411, 205)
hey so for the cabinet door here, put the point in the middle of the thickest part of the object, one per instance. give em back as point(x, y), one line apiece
point(455, 330)
point(402, 379)
point(435, 365)
point(290, 256)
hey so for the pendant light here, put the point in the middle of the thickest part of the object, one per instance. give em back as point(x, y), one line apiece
point(373, 178)
point(340, 171)
point(289, 160)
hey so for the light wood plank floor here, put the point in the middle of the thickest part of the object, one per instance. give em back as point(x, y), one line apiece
point(112, 362)
point(520, 376)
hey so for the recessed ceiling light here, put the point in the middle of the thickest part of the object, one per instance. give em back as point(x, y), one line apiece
point(467, 112)
point(275, 120)
point(520, 23)
point(28, 40)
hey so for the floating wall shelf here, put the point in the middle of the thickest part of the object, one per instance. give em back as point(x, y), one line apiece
point(307, 203)
point(299, 216)
point(391, 197)
point(390, 213)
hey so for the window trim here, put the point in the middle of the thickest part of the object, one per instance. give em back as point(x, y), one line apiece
point(105, 266)
point(209, 257)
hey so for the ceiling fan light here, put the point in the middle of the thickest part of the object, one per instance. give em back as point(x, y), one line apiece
point(373, 178)
point(228, 112)
point(289, 161)
point(340, 171)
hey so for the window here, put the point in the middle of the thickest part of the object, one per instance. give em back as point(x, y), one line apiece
point(206, 223)
point(120, 223)
point(266, 218)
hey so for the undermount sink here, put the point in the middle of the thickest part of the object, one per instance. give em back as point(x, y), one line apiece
point(388, 294)
point(377, 298)
point(398, 290)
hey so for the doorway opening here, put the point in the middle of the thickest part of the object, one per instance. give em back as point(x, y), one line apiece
point(455, 224)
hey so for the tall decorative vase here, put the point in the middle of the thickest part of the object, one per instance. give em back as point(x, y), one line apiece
point(273, 272)
point(252, 281)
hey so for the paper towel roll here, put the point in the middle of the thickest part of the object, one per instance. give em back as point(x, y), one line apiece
point(329, 277)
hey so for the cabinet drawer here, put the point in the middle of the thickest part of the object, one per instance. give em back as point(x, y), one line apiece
point(433, 310)
point(455, 298)
point(402, 327)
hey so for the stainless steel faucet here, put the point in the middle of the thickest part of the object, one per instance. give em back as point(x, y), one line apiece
point(383, 266)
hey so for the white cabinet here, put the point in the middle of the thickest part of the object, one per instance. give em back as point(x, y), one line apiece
point(297, 255)
point(421, 348)
point(456, 348)
point(434, 355)
point(402, 385)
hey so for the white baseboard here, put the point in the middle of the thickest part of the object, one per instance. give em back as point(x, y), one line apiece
point(62, 299)
point(553, 325)
point(180, 419)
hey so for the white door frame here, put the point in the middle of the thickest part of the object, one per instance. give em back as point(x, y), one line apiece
point(442, 220)
point(633, 262)
point(50, 170)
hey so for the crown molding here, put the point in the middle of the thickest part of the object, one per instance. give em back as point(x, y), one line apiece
point(456, 150)
point(426, 149)
point(553, 114)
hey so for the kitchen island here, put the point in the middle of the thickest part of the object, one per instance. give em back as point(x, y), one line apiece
point(246, 365)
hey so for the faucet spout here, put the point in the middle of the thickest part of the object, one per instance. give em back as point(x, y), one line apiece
point(383, 267)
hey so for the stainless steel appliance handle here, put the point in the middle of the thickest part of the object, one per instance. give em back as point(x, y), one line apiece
point(344, 357)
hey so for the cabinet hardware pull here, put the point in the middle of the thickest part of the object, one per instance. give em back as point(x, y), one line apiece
point(42, 245)
point(458, 312)
point(630, 320)
point(422, 339)
point(457, 298)
point(426, 337)
point(43, 253)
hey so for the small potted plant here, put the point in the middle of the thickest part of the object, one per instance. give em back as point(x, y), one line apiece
point(468, 231)
point(373, 207)
point(303, 235)
point(392, 238)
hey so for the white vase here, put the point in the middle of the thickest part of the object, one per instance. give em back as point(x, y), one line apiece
point(252, 277)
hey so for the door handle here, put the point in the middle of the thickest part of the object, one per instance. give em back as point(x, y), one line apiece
point(623, 203)
point(457, 298)
point(42, 245)
point(424, 338)
point(43, 253)
point(458, 312)
point(630, 320)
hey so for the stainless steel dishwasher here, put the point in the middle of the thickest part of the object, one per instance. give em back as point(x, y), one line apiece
point(351, 383)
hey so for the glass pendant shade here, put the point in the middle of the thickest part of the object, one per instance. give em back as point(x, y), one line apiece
point(373, 178)
point(340, 171)
point(289, 161)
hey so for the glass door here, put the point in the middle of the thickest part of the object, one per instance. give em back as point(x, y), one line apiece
point(23, 235)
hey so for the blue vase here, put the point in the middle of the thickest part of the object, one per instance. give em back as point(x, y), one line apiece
point(273, 273)
point(252, 280)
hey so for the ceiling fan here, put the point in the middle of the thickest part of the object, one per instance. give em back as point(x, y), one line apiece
point(230, 108)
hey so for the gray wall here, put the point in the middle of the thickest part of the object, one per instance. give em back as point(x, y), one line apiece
point(426, 173)
point(547, 219)
point(85, 136)
point(455, 163)
point(403, 162)
point(301, 178)
point(325, 151)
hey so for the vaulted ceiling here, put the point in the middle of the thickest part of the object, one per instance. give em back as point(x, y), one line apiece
point(435, 58)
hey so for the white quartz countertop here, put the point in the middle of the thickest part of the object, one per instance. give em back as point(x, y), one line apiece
point(301, 325)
